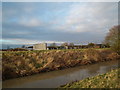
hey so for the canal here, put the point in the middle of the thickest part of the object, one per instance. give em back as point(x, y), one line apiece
point(54, 79)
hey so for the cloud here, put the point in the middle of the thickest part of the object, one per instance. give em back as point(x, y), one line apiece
point(61, 1)
point(87, 17)
point(33, 22)
point(25, 41)
point(60, 22)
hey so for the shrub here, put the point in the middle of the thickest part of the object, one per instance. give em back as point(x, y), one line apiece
point(92, 55)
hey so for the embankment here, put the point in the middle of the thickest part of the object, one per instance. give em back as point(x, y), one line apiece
point(107, 80)
point(23, 63)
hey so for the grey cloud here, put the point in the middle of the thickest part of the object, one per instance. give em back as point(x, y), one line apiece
point(89, 24)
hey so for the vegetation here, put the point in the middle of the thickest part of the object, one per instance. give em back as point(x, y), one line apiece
point(65, 44)
point(23, 63)
point(71, 44)
point(91, 45)
point(53, 44)
point(15, 49)
point(113, 38)
point(107, 80)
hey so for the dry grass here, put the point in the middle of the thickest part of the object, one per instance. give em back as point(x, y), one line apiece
point(23, 63)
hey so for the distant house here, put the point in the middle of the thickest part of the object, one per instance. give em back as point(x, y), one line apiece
point(29, 47)
point(43, 46)
point(67, 47)
point(76, 46)
point(55, 47)
point(40, 46)
point(101, 46)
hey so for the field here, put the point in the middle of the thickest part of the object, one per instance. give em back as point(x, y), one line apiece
point(107, 80)
point(23, 63)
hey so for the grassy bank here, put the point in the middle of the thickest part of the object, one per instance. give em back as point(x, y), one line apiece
point(107, 80)
point(23, 63)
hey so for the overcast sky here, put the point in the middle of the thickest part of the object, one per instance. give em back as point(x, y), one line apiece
point(80, 23)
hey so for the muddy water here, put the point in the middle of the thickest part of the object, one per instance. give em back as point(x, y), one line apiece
point(56, 78)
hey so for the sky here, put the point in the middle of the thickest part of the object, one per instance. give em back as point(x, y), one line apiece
point(38, 22)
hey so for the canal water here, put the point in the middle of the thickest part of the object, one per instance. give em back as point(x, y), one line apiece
point(54, 79)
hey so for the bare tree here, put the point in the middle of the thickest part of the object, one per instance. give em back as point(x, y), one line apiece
point(113, 38)
point(64, 44)
point(53, 44)
point(71, 44)
point(91, 45)
point(23, 46)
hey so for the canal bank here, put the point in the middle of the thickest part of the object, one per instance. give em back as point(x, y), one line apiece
point(107, 80)
point(20, 64)
point(55, 79)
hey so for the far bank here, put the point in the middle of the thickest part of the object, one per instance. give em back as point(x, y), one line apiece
point(24, 63)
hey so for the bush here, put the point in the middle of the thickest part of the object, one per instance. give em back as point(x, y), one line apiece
point(92, 55)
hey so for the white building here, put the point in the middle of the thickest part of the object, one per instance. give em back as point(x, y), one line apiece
point(40, 46)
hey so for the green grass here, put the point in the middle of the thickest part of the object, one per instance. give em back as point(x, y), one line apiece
point(107, 80)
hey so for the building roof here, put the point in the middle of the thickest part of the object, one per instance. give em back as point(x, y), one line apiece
point(30, 47)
